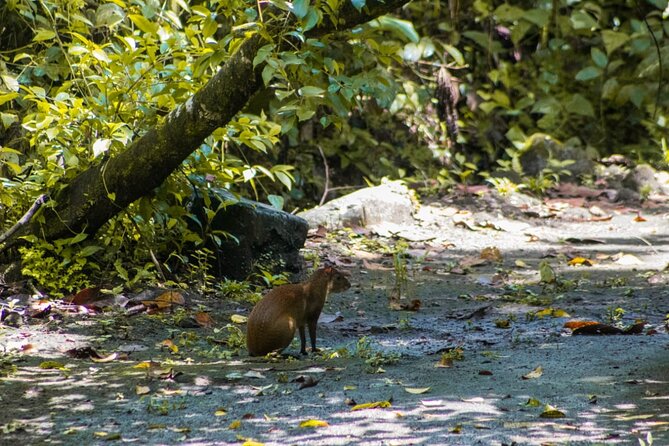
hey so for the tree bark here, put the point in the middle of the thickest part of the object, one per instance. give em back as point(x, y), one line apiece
point(100, 192)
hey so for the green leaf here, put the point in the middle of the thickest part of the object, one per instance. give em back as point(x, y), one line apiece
point(358, 4)
point(610, 88)
point(582, 20)
point(579, 105)
point(143, 23)
point(89, 250)
point(588, 73)
point(599, 57)
point(455, 54)
point(300, 8)
point(263, 54)
point(403, 28)
point(308, 92)
point(8, 119)
point(43, 34)
point(7, 97)
point(538, 17)
point(276, 201)
point(312, 19)
point(613, 40)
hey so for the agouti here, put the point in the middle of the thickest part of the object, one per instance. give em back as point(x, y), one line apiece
point(272, 323)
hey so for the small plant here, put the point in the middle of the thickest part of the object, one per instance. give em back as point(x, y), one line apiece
point(614, 315)
point(374, 358)
point(504, 186)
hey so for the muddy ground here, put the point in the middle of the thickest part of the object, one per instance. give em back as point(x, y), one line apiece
point(449, 373)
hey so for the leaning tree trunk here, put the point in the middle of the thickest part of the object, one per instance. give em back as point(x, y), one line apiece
point(100, 192)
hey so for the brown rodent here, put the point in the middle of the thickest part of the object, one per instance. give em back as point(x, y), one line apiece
point(272, 323)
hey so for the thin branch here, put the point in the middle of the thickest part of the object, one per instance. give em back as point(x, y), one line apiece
point(326, 190)
point(23, 221)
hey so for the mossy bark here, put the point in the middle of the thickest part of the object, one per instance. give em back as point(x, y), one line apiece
point(100, 192)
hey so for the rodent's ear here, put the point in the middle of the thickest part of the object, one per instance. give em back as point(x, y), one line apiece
point(328, 269)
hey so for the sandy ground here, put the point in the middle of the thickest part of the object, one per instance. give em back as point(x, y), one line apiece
point(611, 389)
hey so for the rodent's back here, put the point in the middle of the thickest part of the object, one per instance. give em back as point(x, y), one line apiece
point(272, 322)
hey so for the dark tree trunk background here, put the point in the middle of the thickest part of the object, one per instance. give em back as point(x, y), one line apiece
point(85, 205)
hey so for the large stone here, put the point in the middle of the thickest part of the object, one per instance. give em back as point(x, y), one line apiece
point(261, 236)
point(388, 203)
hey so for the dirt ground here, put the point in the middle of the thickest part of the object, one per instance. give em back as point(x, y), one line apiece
point(457, 371)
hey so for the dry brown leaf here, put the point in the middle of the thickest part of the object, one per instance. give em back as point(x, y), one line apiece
point(492, 253)
point(203, 319)
point(86, 296)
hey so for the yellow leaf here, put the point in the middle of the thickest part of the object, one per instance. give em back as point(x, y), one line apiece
point(560, 313)
point(252, 443)
point(350, 387)
point(417, 391)
point(142, 390)
point(456, 429)
point(533, 402)
point(551, 412)
point(235, 424)
point(220, 412)
point(534, 374)
point(169, 344)
point(543, 313)
point(52, 365)
point(374, 405)
point(238, 319)
point(521, 264)
point(580, 261)
point(314, 423)
point(146, 365)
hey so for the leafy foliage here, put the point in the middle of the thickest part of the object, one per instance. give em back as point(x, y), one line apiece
point(433, 94)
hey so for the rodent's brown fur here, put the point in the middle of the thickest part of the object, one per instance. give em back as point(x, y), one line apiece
point(272, 323)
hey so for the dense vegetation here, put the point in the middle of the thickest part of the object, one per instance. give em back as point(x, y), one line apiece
point(433, 94)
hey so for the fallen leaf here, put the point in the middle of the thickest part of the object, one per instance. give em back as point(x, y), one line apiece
point(375, 266)
point(165, 301)
point(533, 402)
point(142, 390)
point(417, 391)
point(471, 261)
point(551, 412)
point(27, 348)
point(456, 429)
point(313, 423)
point(374, 405)
point(534, 374)
point(238, 319)
point(432, 403)
point(111, 357)
point(203, 319)
point(597, 329)
point(503, 323)
point(580, 261)
point(485, 373)
point(252, 443)
point(585, 241)
point(521, 264)
point(220, 412)
point(639, 218)
point(572, 325)
point(108, 436)
point(627, 259)
point(86, 296)
point(491, 253)
point(170, 345)
point(636, 328)
point(48, 365)
point(235, 425)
